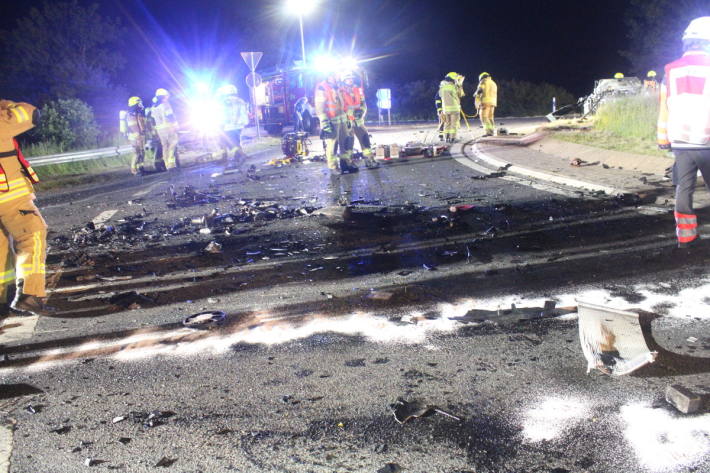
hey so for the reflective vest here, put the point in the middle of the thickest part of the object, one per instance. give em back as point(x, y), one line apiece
point(450, 97)
point(353, 100)
point(489, 92)
point(164, 117)
point(684, 117)
point(650, 84)
point(235, 114)
point(135, 126)
point(329, 103)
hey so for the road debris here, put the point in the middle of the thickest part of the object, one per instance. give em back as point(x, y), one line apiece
point(118, 419)
point(150, 419)
point(213, 247)
point(380, 295)
point(165, 462)
point(205, 320)
point(683, 399)
point(390, 468)
point(130, 300)
point(61, 430)
point(404, 411)
point(612, 340)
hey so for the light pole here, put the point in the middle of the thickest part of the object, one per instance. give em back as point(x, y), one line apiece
point(301, 8)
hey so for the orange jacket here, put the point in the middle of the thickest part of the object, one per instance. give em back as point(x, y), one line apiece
point(328, 102)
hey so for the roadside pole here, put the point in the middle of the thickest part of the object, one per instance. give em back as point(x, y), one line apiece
point(253, 80)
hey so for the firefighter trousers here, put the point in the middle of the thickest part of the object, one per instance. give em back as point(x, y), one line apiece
point(340, 136)
point(452, 123)
point(363, 137)
point(23, 247)
point(138, 153)
point(685, 174)
point(169, 142)
point(488, 119)
point(231, 147)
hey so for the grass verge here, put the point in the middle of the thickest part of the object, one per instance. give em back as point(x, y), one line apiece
point(625, 124)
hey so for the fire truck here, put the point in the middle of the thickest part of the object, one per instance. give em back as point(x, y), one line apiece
point(279, 91)
point(277, 96)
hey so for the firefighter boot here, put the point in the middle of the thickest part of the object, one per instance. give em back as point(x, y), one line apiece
point(32, 304)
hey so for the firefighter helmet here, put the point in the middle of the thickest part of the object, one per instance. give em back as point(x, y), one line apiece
point(698, 28)
point(452, 75)
point(618, 75)
point(162, 93)
point(134, 101)
point(348, 75)
point(483, 75)
point(651, 74)
point(227, 89)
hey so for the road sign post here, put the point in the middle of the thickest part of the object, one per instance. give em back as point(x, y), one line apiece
point(252, 58)
point(384, 102)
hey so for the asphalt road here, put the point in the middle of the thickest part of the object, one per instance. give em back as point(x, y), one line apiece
point(330, 320)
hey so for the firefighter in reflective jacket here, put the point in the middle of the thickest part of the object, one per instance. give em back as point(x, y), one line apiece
point(23, 228)
point(153, 139)
point(235, 116)
point(450, 93)
point(335, 129)
point(167, 127)
point(486, 102)
point(650, 84)
point(684, 123)
point(133, 126)
point(440, 116)
point(356, 109)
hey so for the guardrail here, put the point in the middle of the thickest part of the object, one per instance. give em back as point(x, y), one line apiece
point(77, 156)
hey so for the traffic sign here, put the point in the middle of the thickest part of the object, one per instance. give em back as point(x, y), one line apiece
point(384, 99)
point(253, 80)
point(252, 58)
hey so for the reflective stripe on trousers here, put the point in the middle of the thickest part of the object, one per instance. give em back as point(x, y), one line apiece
point(686, 227)
point(685, 175)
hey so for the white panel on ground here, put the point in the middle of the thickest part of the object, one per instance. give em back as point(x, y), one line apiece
point(5, 448)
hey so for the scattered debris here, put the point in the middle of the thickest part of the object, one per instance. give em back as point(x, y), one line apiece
point(213, 247)
point(576, 162)
point(691, 339)
point(390, 468)
point(118, 419)
point(460, 208)
point(205, 320)
point(683, 399)
point(429, 267)
point(404, 411)
point(130, 300)
point(36, 409)
point(61, 430)
point(380, 295)
point(91, 462)
point(165, 462)
point(124, 440)
point(150, 419)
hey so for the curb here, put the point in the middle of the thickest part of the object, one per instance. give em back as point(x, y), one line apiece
point(566, 181)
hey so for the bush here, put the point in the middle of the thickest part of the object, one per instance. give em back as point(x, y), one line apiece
point(67, 124)
point(520, 98)
point(629, 117)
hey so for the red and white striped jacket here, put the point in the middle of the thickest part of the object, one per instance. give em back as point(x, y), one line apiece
point(684, 118)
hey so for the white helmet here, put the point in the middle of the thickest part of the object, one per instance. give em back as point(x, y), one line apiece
point(228, 89)
point(699, 28)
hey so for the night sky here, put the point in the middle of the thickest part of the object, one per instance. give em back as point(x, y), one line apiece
point(569, 43)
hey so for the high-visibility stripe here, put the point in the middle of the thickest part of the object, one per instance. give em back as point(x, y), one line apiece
point(23, 112)
point(7, 276)
point(680, 215)
point(686, 226)
point(683, 238)
point(8, 196)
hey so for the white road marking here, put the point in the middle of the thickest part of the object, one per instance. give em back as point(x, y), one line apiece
point(104, 217)
point(14, 329)
point(5, 448)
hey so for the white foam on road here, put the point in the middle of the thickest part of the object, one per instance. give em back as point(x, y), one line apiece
point(664, 442)
point(13, 329)
point(104, 217)
point(552, 417)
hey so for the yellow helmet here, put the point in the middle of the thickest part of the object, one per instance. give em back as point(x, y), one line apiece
point(483, 75)
point(134, 101)
point(162, 93)
point(452, 75)
point(618, 75)
point(651, 74)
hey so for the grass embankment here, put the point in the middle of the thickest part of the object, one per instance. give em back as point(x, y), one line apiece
point(625, 124)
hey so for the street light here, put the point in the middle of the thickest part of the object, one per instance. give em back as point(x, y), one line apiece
point(301, 8)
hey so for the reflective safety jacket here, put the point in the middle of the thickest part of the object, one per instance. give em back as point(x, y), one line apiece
point(16, 174)
point(134, 122)
point(328, 102)
point(684, 117)
point(235, 114)
point(488, 92)
point(650, 84)
point(450, 97)
point(164, 117)
point(354, 102)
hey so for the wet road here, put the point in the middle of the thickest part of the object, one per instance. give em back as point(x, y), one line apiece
point(330, 320)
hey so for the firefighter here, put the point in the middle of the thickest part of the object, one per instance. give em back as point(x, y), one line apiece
point(356, 109)
point(334, 125)
point(167, 127)
point(156, 149)
point(650, 84)
point(235, 116)
point(23, 228)
point(450, 93)
point(133, 127)
point(486, 102)
point(684, 123)
point(301, 110)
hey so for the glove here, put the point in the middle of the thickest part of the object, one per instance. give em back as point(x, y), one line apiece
point(664, 146)
point(327, 130)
